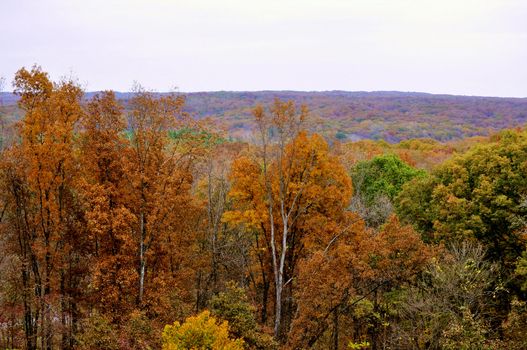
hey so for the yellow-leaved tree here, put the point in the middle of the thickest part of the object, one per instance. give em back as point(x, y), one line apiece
point(200, 332)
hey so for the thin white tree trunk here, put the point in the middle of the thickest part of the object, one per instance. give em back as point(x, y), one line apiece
point(142, 258)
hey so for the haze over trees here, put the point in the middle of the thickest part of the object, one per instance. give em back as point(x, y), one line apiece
point(350, 116)
point(132, 224)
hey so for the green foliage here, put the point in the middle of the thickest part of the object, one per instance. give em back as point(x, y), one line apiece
point(363, 308)
point(465, 333)
point(413, 205)
point(139, 332)
point(97, 334)
point(233, 306)
point(208, 138)
point(521, 270)
point(201, 332)
point(340, 135)
point(358, 346)
point(514, 327)
point(451, 303)
point(376, 183)
point(382, 175)
point(480, 194)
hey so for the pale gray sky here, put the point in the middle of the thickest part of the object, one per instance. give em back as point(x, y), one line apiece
point(472, 47)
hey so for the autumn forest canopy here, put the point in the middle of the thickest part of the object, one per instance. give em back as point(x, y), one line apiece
point(260, 220)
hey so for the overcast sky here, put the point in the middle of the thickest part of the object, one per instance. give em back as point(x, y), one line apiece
point(470, 47)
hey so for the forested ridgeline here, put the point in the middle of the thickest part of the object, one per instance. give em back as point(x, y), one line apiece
point(351, 116)
point(141, 227)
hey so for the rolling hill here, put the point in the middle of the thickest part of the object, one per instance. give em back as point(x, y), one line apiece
point(392, 116)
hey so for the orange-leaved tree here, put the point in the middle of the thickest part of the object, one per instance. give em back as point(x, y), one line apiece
point(355, 268)
point(164, 146)
point(109, 220)
point(43, 211)
point(292, 194)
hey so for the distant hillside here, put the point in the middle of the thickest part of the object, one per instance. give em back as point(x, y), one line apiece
point(392, 116)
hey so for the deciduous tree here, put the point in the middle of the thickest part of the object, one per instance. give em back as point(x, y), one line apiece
point(109, 219)
point(200, 332)
point(42, 207)
point(478, 195)
point(159, 171)
point(292, 193)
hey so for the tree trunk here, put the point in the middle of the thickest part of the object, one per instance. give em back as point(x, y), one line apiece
point(46, 317)
point(142, 258)
point(64, 331)
point(277, 278)
point(280, 278)
point(29, 323)
point(336, 329)
point(265, 298)
point(278, 306)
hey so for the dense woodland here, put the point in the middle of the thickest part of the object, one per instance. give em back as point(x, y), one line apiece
point(134, 225)
point(352, 116)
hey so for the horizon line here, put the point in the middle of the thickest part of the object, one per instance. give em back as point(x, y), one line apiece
point(300, 91)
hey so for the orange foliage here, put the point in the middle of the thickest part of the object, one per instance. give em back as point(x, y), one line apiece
point(294, 202)
point(356, 265)
point(45, 217)
point(109, 220)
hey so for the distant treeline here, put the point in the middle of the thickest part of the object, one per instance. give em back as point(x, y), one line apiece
point(391, 116)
